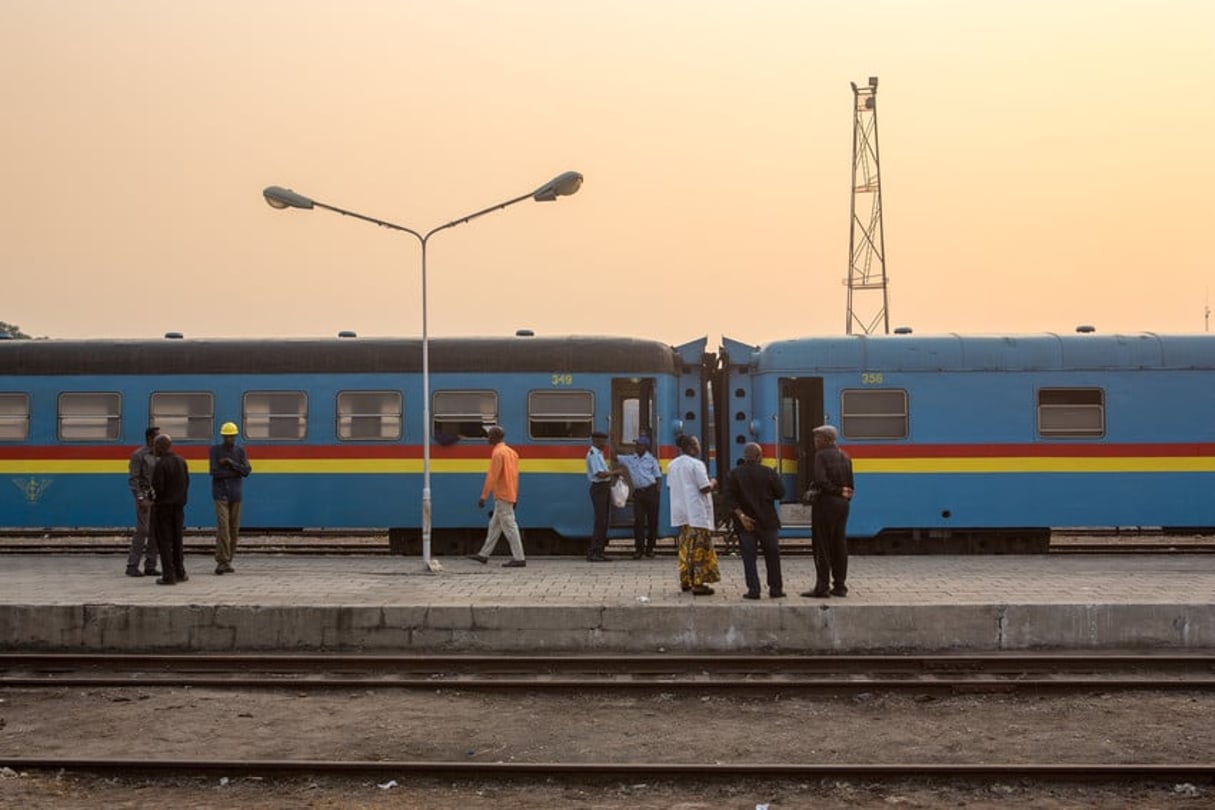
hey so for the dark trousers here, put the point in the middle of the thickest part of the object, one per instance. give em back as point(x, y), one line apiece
point(645, 518)
point(601, 501)
point(829, 521)
point(747, 545)
point(168, 521)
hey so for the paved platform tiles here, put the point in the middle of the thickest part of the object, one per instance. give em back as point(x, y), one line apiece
point(389, 604)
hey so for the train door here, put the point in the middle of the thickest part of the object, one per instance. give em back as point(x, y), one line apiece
point(632, 416)
point(632, 411)
point(801, 410)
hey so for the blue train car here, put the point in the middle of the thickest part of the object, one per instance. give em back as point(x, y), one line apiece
point(334, 426)
point(991, 441)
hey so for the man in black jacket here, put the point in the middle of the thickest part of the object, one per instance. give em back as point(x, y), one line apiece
point(170, 483)
point(832, 490)
point(751, 493)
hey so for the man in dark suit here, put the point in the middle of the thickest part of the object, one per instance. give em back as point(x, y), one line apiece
point(751, 493)
point(170, 483)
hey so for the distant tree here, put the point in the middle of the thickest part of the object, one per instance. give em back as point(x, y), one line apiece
point(12, 330)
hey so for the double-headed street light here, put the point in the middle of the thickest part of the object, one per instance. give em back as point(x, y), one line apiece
point(560, 186)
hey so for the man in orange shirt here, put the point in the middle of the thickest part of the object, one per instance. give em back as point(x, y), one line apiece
point(502, 481)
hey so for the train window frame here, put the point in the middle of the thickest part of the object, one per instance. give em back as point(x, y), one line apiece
point(110, 421)
point(460, 421)
point(252, 423)
point(1071, 409)
point(192, 426)
point(14, 422)
point(573, 420)
point(375, 424)
point(851, 421)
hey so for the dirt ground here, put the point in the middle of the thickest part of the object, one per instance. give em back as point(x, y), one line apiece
point(156, 722)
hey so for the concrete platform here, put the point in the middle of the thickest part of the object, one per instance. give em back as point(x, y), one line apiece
point(387, 604)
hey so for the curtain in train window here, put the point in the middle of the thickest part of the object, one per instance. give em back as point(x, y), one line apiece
point(14, 417)
point(275, 415)
point(873, 413)
point(369, 415)
point(89, 417)
point(1074, 412)
point(560, 414)
point(184, 416)
point(463, 414)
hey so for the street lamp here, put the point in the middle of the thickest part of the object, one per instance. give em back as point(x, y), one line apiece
point(560, 186)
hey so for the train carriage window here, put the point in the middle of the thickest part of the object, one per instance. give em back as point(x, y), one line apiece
point(14, 417)
point(463, 414)
point(275, 415)
point(369, 415)
point(1070, 412)
point(873, 413)
point(89, 417)
point(560, 414)
point(184, 416)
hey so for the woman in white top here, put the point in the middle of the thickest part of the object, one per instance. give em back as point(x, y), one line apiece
point(692, 514)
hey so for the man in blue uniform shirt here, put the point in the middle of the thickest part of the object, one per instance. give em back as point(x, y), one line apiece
point(600, 478)
point(644, 474)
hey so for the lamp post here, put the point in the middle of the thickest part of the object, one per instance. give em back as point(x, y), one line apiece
point(560, 186)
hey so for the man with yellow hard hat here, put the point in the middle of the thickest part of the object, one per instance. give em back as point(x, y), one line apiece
point(229, 468)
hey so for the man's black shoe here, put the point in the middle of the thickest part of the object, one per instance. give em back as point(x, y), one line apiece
point(839, 591)
point(817, 593)
point(151, 572)
point(749, 595)
point(163, 581)
point(478, 558)
point(599, 558)
point(133, 571)
point(514, 564)
point(777, 595)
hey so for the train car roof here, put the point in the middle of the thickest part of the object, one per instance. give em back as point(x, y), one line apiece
point(337, 355)
point(954, 352)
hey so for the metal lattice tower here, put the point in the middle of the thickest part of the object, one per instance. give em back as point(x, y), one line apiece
point(866, 239)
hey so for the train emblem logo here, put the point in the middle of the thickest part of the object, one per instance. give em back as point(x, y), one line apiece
point(32, 488)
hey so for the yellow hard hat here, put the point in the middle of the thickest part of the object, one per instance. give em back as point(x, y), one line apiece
point(229, 429)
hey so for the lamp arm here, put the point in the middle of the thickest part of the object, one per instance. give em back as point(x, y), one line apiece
point(365, 218)
point(480, 213)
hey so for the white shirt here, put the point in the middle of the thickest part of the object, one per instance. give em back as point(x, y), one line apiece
point(686, 477)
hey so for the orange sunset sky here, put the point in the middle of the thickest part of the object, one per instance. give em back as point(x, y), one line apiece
point(1044, 164)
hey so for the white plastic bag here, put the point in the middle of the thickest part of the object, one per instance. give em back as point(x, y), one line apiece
point(620, 493)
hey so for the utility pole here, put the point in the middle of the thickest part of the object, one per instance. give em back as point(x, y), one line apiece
point(866, 237)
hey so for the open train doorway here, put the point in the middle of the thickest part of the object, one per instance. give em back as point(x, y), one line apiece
point(801, 410)
point(632, 416)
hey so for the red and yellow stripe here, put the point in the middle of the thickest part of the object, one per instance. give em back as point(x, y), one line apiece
point(301, 459)
point(1022, 458)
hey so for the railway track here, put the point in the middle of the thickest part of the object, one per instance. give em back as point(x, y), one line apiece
point(632, 771)
point(666, 673)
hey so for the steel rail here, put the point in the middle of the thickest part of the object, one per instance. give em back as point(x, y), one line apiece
point(1192, 771)
point(835, 686)
point(657, 663)
point(948, 673)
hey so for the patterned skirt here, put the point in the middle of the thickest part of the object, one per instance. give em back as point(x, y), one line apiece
point(697, 558)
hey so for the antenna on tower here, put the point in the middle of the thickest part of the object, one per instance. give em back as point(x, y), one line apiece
point(866, 238)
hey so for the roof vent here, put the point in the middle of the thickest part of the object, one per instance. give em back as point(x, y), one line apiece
point(902, 330)
point(1085, 329)
point(524, 333)
point(174, 336)
point(346, 333)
